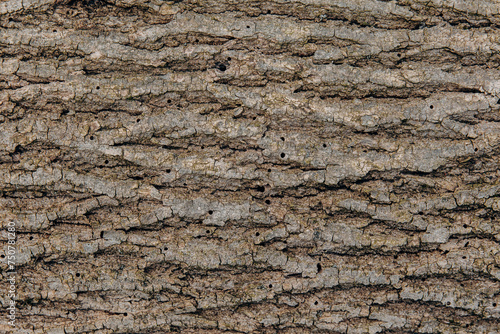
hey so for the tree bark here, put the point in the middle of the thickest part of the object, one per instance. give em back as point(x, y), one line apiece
point(302, 166)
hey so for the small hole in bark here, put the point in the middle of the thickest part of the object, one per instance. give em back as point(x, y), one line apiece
point(465, 225)
point(102, 234)
point(448, 303)
point(399, 54)
point(476, 149)
point(228, 58)
point(269, 11)
point(19, 149)
point(138, 120)
point(318, 266)
point(282, 138)
point(185, 184)
point(283, 155)
point(196, 40)
point(168, 171)
point(254, 118)
point(269, 170)
point(324, 145)
point(106, 161)
point(78, 275)
point(91, 137)
point(210, 212)
point(431, 106)
point(208, 231)
point(165, 249)
point(261, 188)
point(54, 30)
point(98, 87)
point(270, 286)
point(494, 304)
point(221, 67)
point(466, 244)
point(316, 303)
point(268, 201)
point(31, 238)
point(2, 256)
point(464, 257)
point(125, 314)
point(364, 151)
point(169, 101)
point(248, 27)
point(257, 234)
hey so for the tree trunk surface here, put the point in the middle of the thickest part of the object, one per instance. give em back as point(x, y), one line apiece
point(225, 166)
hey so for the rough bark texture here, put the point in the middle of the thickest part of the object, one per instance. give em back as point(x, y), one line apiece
point(230, 166)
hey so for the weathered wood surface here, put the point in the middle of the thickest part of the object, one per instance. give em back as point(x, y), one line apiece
point(302, 166)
